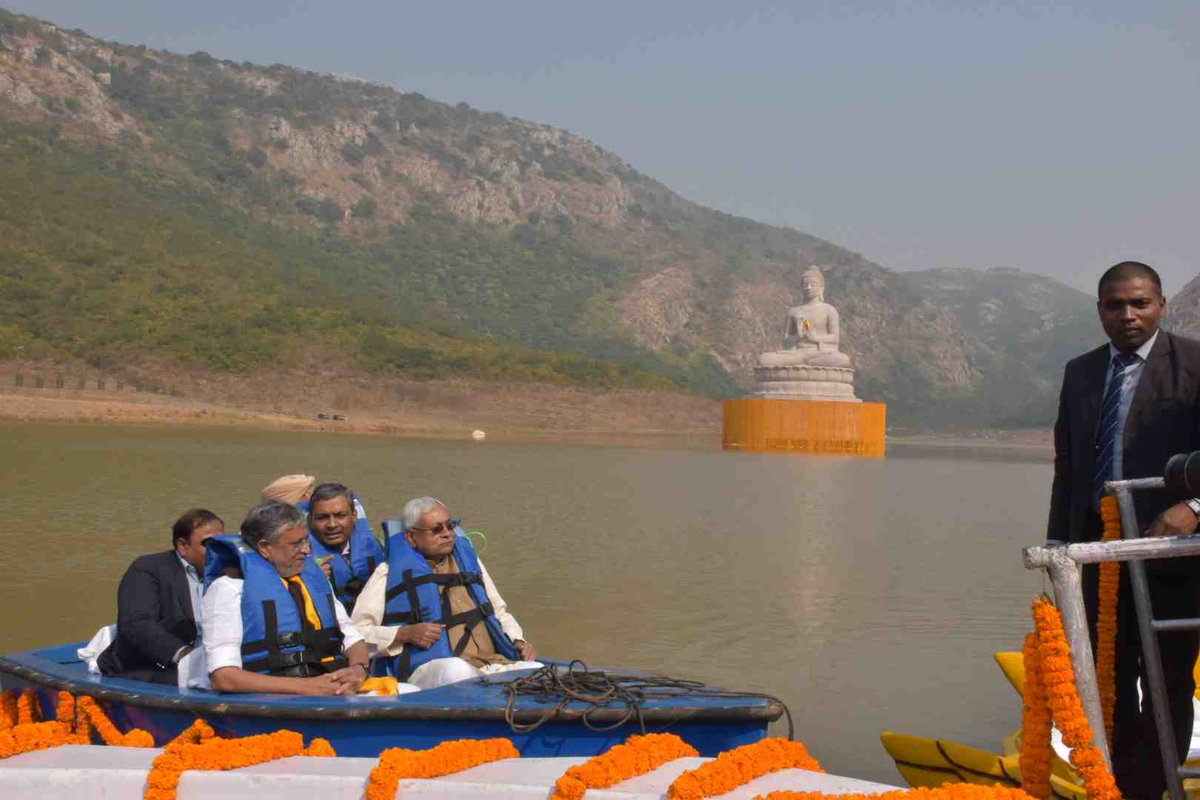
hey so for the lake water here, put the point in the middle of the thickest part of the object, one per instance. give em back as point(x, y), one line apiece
point(868, 595)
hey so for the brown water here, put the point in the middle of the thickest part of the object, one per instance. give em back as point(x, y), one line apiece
point(869, 595)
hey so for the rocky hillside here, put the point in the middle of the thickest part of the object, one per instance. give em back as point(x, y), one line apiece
point(1183, 310)
point(228, 214)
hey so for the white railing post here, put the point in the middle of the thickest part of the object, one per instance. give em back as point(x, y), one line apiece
point(1068, 596)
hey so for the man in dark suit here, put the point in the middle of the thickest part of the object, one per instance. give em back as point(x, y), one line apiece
point(1125, 408)
point(158, 604)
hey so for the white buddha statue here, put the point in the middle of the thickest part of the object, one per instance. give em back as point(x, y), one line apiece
point(812, 332)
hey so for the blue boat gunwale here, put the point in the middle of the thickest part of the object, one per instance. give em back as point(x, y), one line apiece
point(57, 667)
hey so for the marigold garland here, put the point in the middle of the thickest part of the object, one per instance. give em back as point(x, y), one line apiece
point(445, 759)
point(1036, 754)
point(733, 768)
point(28, 707)
point(320, 748)
point(30, 736)
point(637, 756)
point(137, 737)
point(1062, 696)
point(216, 754)
point(64, 712)
point(8, 709)
point(1106, 617)
point(949, 791)
point(199, 731)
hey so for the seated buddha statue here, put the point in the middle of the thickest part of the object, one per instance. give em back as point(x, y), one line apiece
point(811, 335)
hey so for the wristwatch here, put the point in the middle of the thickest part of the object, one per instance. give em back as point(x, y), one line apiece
point(1194, 505)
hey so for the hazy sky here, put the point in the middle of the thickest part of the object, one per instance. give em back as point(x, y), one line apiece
point(1057, 137)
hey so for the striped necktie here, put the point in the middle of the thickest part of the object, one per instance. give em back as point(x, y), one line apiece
point(1110, 414)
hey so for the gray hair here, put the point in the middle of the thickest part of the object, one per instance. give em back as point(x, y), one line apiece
point(267, 521)
point(417, 508)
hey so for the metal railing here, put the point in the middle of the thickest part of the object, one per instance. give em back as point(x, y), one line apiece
point(1062, 561)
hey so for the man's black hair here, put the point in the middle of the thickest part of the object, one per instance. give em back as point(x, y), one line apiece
point(192, 519)
point(1128, 269)
point(328, 491)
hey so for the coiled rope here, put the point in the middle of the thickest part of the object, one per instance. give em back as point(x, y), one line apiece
point(579, 684)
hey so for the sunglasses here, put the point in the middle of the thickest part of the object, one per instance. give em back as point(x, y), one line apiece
point(448, 526)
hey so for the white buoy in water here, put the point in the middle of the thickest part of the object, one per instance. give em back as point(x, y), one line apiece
point(478, 435)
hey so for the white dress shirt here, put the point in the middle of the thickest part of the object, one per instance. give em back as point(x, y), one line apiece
point(195, 588)
point(223, 624)
point(380, 638)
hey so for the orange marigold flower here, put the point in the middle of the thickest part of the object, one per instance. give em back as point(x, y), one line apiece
point(65, 711)
point(138, 738)
point(733, 768)
point(88, 707)
point(320, 748)
point(1062, 696)
point(215, 754)
point(445, 759)
point(639, 755)
point(197, 732)
point(1106, 617)
point(1036, 754)
point(30, 736)
point(8, 709)
point(949, 791)
point(28, 708)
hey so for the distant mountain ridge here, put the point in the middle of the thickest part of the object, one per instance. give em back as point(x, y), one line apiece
point(231, 215)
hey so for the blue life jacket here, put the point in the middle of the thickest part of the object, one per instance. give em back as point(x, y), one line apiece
point(415, 594)
point(276, 637)
point(365, 555)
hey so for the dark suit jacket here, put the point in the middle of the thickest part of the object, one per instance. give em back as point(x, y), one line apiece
point(1163, 420)
point(154, 619)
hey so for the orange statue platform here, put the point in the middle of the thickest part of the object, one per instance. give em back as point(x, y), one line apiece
point(761, 424)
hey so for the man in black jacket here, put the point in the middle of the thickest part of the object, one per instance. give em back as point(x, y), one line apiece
point(1125, 408)
point(158, 604)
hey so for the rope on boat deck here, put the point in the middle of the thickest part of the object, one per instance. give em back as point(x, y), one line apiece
point(579, 684)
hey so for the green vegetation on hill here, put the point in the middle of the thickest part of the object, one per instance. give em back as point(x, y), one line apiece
point(107, 259)
point(231, 215)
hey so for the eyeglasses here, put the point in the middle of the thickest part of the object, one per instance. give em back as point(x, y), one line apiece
point(448, 526)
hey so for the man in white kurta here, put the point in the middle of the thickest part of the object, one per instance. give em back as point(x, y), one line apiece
point(430, 532)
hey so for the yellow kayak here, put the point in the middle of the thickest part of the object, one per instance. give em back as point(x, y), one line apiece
point(933, 762)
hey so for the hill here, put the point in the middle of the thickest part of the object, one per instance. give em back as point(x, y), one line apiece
point(233, 216)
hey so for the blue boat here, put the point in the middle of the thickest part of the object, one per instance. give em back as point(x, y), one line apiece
point(709, 719)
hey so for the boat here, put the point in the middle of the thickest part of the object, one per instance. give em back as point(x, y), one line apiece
point(931, 763)
point(712, 720)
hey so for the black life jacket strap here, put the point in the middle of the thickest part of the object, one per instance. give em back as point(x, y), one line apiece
point(468, 619)
point(316, 645)
point(351, 589)
point(309, 669)
point(410, 583)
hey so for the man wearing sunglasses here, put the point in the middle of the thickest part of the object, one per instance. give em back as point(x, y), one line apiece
point(431, 612)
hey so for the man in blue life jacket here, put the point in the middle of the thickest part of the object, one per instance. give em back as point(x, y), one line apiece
point(270, 619)
point(342, 541)
point(431, 612)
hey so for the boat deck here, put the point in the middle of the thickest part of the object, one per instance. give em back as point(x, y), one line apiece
point(116, 773)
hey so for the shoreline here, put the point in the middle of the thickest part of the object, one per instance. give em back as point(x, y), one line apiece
point(617, 423)
point(632, 419)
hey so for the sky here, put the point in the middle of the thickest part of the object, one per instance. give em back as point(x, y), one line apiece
point(1057, 138)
